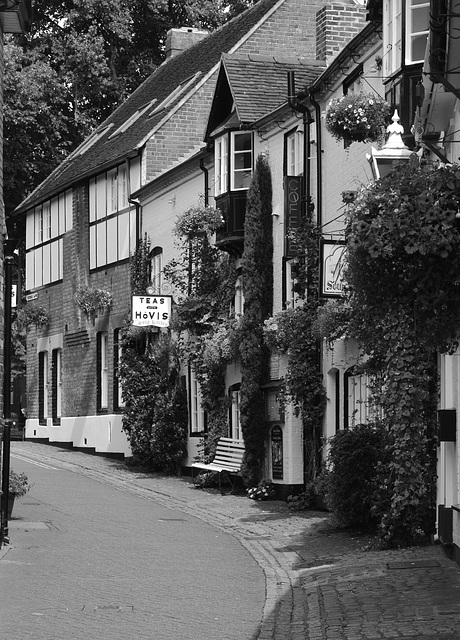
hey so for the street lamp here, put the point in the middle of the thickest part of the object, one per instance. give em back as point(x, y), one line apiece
point(383, 160)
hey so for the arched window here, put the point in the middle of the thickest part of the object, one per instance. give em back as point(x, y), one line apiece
point(156, 269)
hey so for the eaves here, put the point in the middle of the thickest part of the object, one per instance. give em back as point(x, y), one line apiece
point(342, 61)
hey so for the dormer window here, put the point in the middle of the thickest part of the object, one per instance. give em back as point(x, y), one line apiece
point(234, 159)
point(405, 33)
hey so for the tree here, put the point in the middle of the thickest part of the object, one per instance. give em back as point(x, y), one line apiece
point(80, 60)
point(257, 269)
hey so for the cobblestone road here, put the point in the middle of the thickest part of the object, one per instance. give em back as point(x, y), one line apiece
point(321, 584)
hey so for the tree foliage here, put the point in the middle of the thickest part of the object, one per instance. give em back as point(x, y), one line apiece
point(204, 281)
point(155, 415)
point(81, 59)
point(403, 277)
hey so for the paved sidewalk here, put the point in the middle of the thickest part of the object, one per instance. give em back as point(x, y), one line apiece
point(321, 583)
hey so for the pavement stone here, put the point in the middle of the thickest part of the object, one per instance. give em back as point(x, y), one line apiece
point(321, 583)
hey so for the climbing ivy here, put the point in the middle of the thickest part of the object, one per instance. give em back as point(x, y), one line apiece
point(294, 333)
point(257, 271)
point(403, 280)
point(140, 267)
point(204, 280)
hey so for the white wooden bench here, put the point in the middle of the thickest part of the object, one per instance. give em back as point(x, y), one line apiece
point(227, 461)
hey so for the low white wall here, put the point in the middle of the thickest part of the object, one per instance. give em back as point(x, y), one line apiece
point(102, 433)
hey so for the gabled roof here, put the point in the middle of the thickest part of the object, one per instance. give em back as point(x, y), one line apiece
point(176, 78)
point(255, 86)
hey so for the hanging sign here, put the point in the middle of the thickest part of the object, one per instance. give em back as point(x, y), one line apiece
point(151, 311)
point(332, 265)
point(292, 213)
point(277, 453)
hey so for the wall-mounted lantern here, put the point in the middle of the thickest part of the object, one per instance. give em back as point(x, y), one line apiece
point(383, 160)
point(15, 16)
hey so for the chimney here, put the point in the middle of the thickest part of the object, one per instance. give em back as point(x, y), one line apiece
point(336, 24)
point(178, 40)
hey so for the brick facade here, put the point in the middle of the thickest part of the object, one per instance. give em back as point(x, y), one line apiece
point(336, 24)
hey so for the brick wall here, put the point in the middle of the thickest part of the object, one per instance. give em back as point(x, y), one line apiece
point(289, 30)
point(71, 327)
point(336, 24)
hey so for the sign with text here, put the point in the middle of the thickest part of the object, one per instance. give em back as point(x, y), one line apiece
point(151, 311)
point(292, 213)
point(332, 265)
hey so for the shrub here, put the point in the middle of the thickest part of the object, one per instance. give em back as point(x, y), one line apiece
point(18, 484)
point(351, 484)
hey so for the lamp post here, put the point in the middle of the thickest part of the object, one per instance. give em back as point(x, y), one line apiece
point(9, 263)
point(383, 160)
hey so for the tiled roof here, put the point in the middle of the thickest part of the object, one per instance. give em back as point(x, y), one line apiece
point(190, 66)
point(259, 83)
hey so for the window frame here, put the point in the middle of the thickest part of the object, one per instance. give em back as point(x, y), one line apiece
point(226, 165)
point(43, 388)
point(156, 270)
point(112, 218)
point(56, 385)
point(197, 414)
point(398, 18)
point(102, 345)
point(46, 226)
point(117, 386)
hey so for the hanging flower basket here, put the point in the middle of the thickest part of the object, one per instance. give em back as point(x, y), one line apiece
point(358, 118)
point(91, 300)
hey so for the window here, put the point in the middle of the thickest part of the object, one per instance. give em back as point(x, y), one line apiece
point(132, 119)
point(102, 371)
point(412, 16)
point(241, 161)
point(117, 387)
point(56, 385)
point(89, 142)
point(156, 270)
point(418, 17)
point(197, 415)
point(356, 391)
point(45, 229)
point(175, 94)
point(235, 418)
point(221, 163)
point(294, 153)
point(239, 297)
point(42, 387)
point(237, 162)
point(112, 220)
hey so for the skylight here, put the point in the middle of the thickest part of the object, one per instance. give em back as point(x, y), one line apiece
point(174, 94)
point(93, 138)
point(135, 116)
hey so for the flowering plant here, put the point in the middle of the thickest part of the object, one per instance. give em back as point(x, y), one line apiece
point(263, 491)
point(90, 300)
point(18, 484)
point(358, 118)
point(33, 314)
point(198, 220)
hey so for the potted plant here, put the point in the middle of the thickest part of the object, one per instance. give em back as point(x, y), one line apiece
point(18, 487)
point(361, 117)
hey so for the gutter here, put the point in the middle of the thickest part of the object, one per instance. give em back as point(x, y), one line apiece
point(307, 120)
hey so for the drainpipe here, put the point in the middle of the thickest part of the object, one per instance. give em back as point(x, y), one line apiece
point(206, 182)
point(296, 105)
point(319, 163)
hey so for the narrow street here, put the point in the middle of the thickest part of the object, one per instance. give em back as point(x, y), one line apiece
point(90, 561)
point(100, 550)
